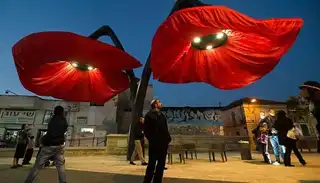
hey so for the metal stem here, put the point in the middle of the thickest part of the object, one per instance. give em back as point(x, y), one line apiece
point(107, 31)
point(143, 85)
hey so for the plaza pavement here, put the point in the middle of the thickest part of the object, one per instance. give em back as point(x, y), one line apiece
point(114, 169)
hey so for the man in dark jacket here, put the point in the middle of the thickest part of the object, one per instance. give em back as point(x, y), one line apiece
point(273, 137)
point(138, 137)
point(157, 133)
point(310, 90)
point(53, 146)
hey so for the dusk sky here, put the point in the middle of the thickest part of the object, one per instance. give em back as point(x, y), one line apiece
point(135, 23)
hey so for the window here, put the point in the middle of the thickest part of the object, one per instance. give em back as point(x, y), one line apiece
point(305, 130)
point(82, 120)
point(86, 132)
point(49, 114)
point(94, 104)
point(233, 117)
point(2, 130)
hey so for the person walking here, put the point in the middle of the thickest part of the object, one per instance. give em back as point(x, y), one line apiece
point(310, 90)
point(256, 135)
point(138, 136)
point(273, 137)
point(47, 163)
point(53, 146)
point(29, 152)
point(264, 142)
point(157, 134)
point(22, 143)
point(288, 138)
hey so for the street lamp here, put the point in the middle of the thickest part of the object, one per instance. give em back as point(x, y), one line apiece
point(253, 100)
point(9, 91)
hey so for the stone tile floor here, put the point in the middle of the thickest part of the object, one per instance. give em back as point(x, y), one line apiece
point(114, 169)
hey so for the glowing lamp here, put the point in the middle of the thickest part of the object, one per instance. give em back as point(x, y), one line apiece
point(90, 68)
point(74, 64)
point(197, 40)
point(210, 41)
point(209, 47)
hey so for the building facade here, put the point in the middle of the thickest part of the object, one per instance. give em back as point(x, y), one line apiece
point(124, 108)
point(88, 123)
point(242, 116)
point(85, 121)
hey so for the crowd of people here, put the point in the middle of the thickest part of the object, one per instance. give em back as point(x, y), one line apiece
point(51, 147)
point(282, 134)
point(24, 148)
point(276, 129)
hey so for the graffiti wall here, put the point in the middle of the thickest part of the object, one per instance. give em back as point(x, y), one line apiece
point(194, 120)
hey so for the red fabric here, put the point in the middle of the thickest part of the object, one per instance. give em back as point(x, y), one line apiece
point(253, 49)
point(42, 61)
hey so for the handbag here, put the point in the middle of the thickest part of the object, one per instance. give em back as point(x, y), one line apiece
point(294, 133)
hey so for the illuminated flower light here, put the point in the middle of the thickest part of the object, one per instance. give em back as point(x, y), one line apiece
point(71, 67)
point(241, 49)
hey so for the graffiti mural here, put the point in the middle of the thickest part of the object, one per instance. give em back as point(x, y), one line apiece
point(193, 120)
point(187, 114)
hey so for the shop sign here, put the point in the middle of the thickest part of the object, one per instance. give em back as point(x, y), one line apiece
point(16, 116)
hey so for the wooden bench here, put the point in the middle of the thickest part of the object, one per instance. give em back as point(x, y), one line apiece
point(176, 149)
point(212, 149)
point(307, 143)
point(190, 148)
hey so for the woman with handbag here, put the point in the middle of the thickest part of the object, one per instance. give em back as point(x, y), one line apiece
point(288, 135)
point(293, 136)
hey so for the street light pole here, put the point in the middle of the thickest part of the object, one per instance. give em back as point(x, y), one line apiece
point(146, 73)
point(9, 91)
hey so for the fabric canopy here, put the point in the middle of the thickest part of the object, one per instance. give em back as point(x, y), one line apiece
point(253, 48)
point(43, 62)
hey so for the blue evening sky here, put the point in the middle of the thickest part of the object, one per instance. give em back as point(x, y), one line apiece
point(135, 22)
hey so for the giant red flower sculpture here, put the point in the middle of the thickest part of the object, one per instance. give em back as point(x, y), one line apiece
point(68, 66)
point(219, 46)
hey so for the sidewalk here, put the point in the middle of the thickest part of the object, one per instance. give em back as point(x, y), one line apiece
point(113, 169)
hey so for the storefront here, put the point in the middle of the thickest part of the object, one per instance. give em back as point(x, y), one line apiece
point(11, 121)
point(85, 121)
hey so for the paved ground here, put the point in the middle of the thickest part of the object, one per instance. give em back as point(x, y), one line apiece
point(109, 169)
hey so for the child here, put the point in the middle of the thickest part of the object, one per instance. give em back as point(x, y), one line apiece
point(264, 141)
point(29, 152)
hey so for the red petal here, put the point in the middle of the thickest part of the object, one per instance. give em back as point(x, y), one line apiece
point(46, 47)
point(253, 49)
point(43, 64)
point(61, 80)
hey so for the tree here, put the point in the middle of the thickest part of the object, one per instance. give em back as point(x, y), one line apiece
point(297, 108)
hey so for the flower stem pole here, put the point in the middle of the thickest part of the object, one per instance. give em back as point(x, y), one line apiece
point(107, 31)
point(146, 73)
